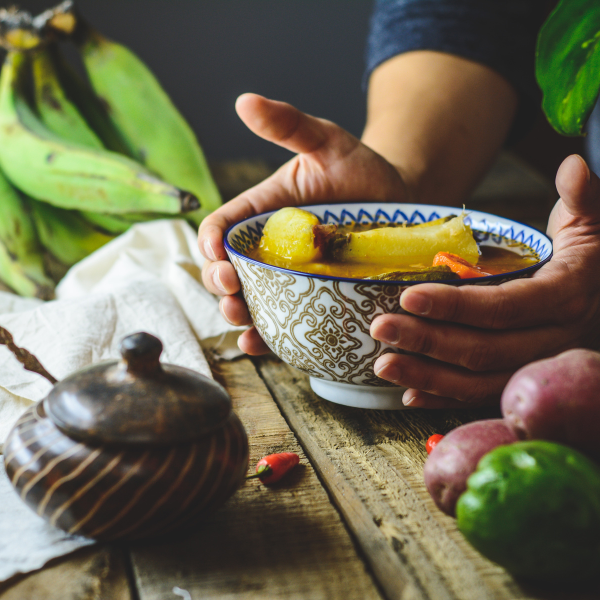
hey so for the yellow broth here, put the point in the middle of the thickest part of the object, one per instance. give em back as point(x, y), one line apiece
point(493, 260)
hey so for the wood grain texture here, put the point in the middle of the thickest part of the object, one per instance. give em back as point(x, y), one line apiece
point(282, 541)
point(93, 573)
point(372, 464)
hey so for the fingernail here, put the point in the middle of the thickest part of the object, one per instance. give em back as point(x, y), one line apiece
point(586, 168)
point(208, 250)
point(223, 312)
point(407, 399)
point(387, 333)
point(389, 373)
point(418, 304)
point(217, 281)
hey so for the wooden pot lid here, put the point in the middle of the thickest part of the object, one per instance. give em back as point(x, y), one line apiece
point(137, 400)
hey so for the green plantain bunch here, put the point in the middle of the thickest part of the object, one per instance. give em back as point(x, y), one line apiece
point(81, 160)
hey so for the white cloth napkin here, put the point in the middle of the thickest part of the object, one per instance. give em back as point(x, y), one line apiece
point(147, 279)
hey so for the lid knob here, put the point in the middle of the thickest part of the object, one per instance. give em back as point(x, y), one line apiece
point(141, 353)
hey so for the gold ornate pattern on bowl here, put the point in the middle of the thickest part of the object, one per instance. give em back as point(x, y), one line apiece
point(319, 326)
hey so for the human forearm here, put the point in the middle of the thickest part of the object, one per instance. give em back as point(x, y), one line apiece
point(440, 120)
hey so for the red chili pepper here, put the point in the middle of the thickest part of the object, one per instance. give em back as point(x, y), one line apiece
point(273, 467)
point(432, 442)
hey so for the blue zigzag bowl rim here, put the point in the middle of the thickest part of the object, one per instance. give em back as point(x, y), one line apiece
point(417, 211)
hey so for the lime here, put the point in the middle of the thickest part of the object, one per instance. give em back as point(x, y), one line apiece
point(534, 508)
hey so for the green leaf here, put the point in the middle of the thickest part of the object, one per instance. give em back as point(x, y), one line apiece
point(568, 64)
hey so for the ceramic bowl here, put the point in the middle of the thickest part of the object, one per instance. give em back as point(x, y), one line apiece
point(320, 325)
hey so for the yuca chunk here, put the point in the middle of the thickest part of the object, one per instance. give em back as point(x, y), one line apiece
point(293, 234)
point(403, 244)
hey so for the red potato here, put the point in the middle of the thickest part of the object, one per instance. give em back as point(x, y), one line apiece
point(456, 456)
point(557, 399)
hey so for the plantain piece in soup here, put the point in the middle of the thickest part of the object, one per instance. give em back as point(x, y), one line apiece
point(295, 235)
point(442, 273)
point(403, 244)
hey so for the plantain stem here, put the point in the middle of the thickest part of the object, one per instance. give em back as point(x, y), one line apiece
point(28, 360)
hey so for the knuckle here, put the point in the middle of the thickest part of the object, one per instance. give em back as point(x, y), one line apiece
point(425, 380)
point(422, 342)
point(477, 392)
point(485, 390)
point(501, 311)
point(575, 309)
point(495, 311)
point(480, 357)
point(289, 128)
point(454, 306)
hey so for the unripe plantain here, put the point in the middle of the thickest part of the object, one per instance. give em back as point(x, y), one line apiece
point(88, 104)
point(55, 110)
point(65, 233)
point(69, 175)
point(146, 116)
point(21, 263)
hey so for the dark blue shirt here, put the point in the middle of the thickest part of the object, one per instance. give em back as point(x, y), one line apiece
point(498, 33)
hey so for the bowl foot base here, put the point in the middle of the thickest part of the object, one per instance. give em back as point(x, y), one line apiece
point(359, 396)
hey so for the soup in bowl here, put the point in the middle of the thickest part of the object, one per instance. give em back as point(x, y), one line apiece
point(313, 290)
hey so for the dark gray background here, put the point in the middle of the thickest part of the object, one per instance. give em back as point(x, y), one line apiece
point(207, 52)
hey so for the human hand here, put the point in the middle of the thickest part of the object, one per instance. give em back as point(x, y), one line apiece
point(473, 338)
point(330, 165)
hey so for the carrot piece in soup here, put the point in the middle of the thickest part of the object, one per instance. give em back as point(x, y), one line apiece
point(463, 268)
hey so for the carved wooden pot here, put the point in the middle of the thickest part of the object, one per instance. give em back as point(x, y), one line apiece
point(128, 449)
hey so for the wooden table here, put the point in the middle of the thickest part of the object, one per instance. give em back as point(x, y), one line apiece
point(353, 522)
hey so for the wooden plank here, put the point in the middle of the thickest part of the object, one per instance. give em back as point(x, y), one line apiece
point(372, 464)
point(282, 541)
point(92, 573)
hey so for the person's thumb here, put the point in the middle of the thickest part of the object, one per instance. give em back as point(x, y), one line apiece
point(578, 187)
point(282, 123)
